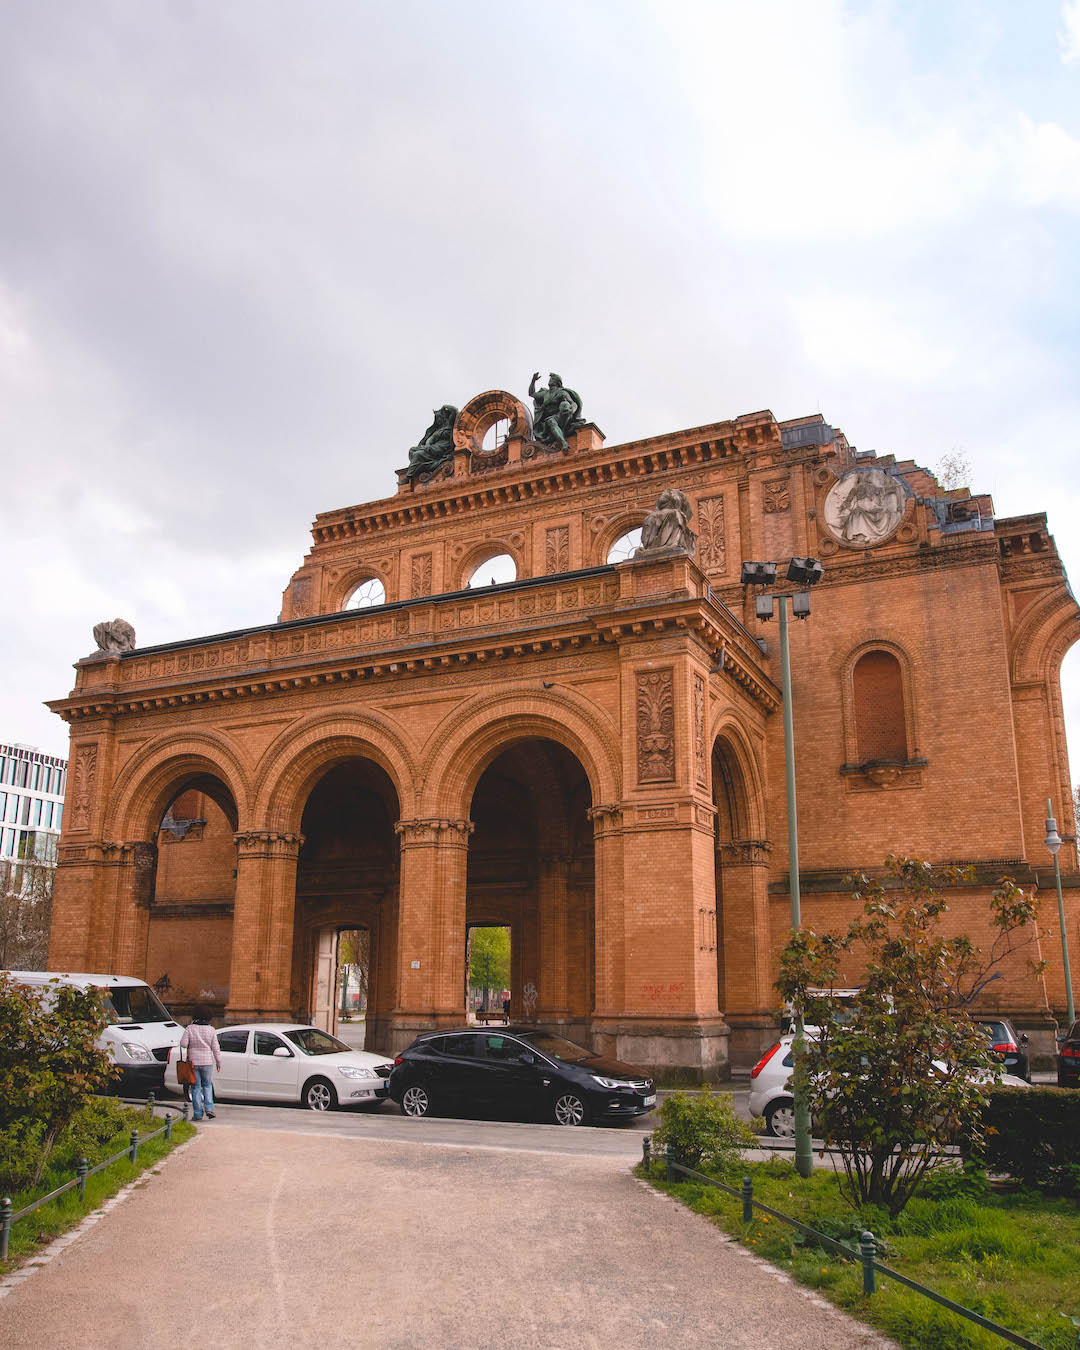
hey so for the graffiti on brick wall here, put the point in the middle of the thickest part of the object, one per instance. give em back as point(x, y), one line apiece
point(712, 546)
point(656, 726)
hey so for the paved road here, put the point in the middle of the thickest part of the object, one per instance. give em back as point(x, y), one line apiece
point(300, 1239)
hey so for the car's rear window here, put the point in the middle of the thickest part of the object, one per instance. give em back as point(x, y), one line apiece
point(996, 1032)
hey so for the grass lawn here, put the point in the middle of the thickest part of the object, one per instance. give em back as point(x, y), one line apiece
point(1013, 1256)
point(59, 1215)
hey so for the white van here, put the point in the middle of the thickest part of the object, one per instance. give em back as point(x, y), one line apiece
point(140, 1031)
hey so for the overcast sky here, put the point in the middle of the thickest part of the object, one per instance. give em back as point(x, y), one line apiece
point(246, 248)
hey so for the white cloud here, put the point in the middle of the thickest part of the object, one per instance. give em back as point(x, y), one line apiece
point(1069, 37)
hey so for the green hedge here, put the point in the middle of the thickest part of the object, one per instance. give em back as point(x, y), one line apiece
point(1033, 1134)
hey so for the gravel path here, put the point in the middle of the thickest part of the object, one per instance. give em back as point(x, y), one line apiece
point(267, 1239)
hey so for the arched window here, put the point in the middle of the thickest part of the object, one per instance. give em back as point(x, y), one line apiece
point(365, 595)
point(624, 546)
point(495, 571)
point(880, 719)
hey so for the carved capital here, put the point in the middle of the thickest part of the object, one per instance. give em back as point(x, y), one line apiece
point(267, 843)
point(434, 831)
point(606, 818)
point(739, 852)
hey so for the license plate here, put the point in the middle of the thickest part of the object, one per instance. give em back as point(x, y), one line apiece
point(650, 1101)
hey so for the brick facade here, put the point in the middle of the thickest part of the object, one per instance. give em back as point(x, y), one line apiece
point(591, 754)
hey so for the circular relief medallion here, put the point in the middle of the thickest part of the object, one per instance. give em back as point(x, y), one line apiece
point(864, 507)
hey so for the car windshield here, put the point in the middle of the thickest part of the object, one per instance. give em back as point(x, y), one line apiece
point(556, 1048)
point(135, 1003)
point(315, 1042)
point(996, 1032)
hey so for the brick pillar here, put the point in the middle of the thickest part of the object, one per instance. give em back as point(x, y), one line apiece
point(430, 962)
point(553, 1005)
point(76, 900)
point(126, 892)
point(260, 980)
point(743, 928)
point(608, 956)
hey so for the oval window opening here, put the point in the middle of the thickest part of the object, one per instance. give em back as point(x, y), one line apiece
point(368, 593)
point(495, 571)
point(624, 546)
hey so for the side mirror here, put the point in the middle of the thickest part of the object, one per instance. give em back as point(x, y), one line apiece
point(282, 1053)
point(528, 1058)
point(1023, 1038)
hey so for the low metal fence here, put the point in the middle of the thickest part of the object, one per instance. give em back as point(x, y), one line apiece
point(865, 1254)
point(82, 1171)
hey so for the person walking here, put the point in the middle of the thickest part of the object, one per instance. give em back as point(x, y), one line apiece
point(201, 1043)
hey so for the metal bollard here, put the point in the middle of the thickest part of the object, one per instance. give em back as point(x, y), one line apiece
point(747, 1200)
point(150, 1101)
point(646, 1154)
point(133, 1151)
point(168, 1127)
point(81, 1169)
point(184, 1111)
point(5, 1226)
point(669, 1161)
point(867, 1254)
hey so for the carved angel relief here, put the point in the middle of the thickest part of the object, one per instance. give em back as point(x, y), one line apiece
point(656, 726)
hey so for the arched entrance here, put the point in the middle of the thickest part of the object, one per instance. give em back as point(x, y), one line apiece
point(347, 878)
point(187, 880)
point(740, 927)
point(530, 868)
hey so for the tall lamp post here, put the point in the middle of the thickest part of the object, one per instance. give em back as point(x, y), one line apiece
point(1053, 843)
point(803, 572)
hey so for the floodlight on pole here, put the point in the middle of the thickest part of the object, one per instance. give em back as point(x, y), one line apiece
point(763, 608)
point(758, 573)
point(804, 571)
point(1053, 843)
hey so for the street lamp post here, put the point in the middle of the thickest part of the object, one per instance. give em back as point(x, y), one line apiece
point(1053, 843)
point(805, 572)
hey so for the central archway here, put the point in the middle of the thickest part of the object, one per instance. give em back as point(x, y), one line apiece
point(531, 869)
point(347, 879)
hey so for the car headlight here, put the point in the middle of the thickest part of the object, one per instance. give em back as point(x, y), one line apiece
point(134, 1050)
point(348, 1071)
point(609, 1082)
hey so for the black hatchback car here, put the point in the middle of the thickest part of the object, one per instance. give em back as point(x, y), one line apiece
point(1068, 1058)
point(1008, 1047)
point(517, 1071)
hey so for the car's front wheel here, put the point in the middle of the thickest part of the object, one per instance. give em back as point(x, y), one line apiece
point(569, 1109)
point(780, 1119)
point(416, 1101)
point(319, 1095)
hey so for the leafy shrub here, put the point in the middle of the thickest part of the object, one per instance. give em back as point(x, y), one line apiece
point(1031, 1134)
point(702, 1129)
point(968, 1181)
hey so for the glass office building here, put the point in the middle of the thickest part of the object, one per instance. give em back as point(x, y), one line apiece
point(31, 803)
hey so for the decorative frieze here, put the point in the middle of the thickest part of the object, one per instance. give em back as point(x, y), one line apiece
point(739, 852)
point(712, 546)
point(557, 549)
point(656, 726)
point(700, 743)
point(268, 843)
point(82, 786)
point(434, 830)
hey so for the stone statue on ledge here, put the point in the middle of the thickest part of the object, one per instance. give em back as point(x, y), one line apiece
point(556, 411)
point(113, 637)
point(667, 529)
point(436, 446)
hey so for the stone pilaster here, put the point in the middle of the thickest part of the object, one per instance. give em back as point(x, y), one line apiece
point(743, 924)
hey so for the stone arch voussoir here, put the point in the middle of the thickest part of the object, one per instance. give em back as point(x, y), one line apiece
point(480, 729)
point(300, 756)
point(142, 790)
point(729, 729)
point(1045, 633)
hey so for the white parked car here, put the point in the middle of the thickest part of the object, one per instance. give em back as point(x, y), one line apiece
point(290, 1062)
point(770, 1088)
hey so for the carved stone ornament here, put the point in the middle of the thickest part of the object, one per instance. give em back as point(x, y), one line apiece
point(712, 545)
point(557, 549)
point(433, 831)
point(481, 413)
point(667, 528)
point(656, 726)
point(864, 507)
point(776, 496)
point(114, 636)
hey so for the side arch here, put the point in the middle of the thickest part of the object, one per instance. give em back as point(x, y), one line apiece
point(356, 576)
point(1044, 634)
point(746, 762)
point(147, 782)
point(300, 756)
point(486, 725)
point(613, 529)
point(471, 559)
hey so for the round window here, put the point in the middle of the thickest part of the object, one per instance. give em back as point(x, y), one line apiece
point(624, 546)
point(368, 593)
point(495, 571)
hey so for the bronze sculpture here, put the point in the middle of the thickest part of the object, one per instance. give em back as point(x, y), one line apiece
point(556, 411)
point(436, 446)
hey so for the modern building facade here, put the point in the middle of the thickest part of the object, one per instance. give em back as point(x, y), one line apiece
point(32, 787)
point(590, 753)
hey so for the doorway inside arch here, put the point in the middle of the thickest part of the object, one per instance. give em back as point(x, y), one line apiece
point(345, 924)
point(531, 873)
point(488, 961)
